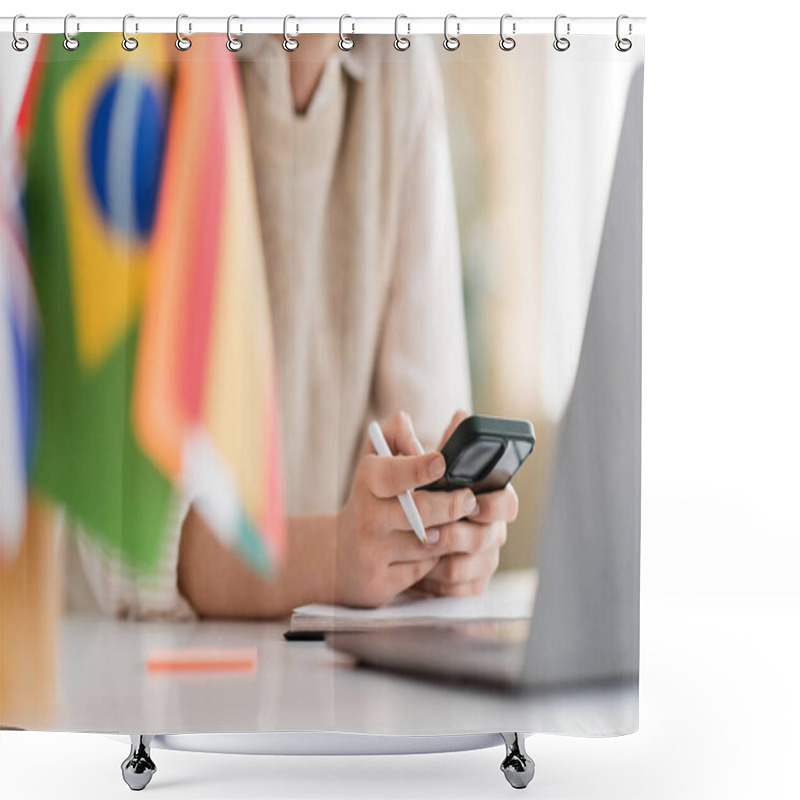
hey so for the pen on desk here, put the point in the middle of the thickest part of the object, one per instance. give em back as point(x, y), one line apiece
point(406, 501)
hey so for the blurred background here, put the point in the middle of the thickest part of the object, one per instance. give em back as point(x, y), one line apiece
point(533, 140)
point(495, 117)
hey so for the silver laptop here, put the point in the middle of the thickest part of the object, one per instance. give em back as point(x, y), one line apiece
point(585, 626)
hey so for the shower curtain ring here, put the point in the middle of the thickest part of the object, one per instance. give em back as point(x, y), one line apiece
point(129, 43)
point(345, 42)
point(623, 44)
point(561, 43)
point(18, 42)
point(70, 42)
point(290, 44)
point(181, 41)
point(451, 43)
point(233, 44)
point(507, 42)
point(401, 42)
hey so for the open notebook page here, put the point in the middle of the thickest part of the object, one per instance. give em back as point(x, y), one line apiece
point(509, 596)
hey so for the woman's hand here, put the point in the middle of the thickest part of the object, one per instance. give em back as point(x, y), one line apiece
point(377, 555)
point(367, 553)
point(470, 548)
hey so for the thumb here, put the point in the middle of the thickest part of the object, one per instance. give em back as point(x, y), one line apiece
point(400, 435)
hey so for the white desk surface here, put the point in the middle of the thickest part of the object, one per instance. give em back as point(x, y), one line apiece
point(297, 686)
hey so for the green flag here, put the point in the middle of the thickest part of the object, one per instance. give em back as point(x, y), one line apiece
point(93, 130)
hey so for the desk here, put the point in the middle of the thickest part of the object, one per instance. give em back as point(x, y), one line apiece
point(297, 686)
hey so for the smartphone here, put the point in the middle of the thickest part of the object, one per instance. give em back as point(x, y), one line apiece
point(484, 453)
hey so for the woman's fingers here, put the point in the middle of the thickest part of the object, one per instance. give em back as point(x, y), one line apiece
point(450, 526)
point(435, 508)
point(462, 574)
point(406, 438)
point(441, 508)
point(402, 439)
point(457, 419)
point(405, 574)
point(458, 537)
point(388, 476)
point(467, 537)
point(500, 506)
point(399, 433)
point(471, 589)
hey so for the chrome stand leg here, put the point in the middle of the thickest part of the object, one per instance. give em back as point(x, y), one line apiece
point(138, 768)
point(517, 766)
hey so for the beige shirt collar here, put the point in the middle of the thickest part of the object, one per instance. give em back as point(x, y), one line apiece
point(353, 62)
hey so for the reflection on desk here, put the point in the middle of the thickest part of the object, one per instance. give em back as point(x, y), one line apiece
point(297, 686)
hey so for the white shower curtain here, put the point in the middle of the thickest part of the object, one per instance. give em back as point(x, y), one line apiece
point(228, 281)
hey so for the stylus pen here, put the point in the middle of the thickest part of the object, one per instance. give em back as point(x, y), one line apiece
point(410, 509)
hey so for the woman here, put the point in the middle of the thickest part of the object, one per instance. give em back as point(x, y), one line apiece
point(358, 222)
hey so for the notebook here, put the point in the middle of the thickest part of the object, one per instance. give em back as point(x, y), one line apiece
point(509, 596)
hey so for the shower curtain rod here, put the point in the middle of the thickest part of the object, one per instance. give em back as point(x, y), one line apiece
point(457, 26)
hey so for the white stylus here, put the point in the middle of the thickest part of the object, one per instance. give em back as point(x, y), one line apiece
point(406, 501)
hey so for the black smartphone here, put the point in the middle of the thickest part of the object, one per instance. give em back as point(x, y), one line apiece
point(484, 453)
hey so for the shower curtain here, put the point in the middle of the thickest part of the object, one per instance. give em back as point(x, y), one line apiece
point(219, 265)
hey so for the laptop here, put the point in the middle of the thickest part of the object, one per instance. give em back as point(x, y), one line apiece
point(585, 623)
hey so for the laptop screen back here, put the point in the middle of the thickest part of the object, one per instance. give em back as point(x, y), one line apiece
point(586, 617)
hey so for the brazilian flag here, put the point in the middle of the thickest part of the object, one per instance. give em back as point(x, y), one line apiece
point(94, 137)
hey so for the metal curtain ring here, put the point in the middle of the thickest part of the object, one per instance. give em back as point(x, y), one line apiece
point(345, 42)
point(507, 42)
point(70, 42)
point(451, 43)
point(18, 42)
point(561, 43)
point(129, 43)
point(623, 44)
point(181, 41)
point(290, 44)
point(401, 42)
point(233, 44)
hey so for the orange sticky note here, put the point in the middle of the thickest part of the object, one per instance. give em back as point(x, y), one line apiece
point(203, 659)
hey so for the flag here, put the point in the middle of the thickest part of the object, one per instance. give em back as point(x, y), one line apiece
point(205, 402)
point(17, 386)
point(18, 346)
point(93, 147)
point(156, 371)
